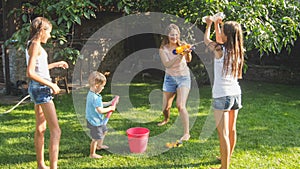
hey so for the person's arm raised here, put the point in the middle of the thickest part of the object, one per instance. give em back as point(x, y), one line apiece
point(207, 39)
point(218, 30)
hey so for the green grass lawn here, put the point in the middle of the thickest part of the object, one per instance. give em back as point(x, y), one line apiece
point(268, 131)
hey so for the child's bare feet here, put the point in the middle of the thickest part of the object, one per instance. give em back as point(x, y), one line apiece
point(104, 147)
point(162, 123)
point(43, 167)
point(95, 156)
point(185, 137)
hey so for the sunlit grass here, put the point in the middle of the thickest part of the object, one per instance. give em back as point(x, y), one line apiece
point(268, 131)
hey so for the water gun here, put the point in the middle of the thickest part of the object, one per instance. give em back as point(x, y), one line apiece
point(215, 17)
point(181, 49)
point(178, 143)
point(113, 103)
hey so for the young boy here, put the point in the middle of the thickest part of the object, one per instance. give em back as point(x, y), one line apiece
point(95, 113)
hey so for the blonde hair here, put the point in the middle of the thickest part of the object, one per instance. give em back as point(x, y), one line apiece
point(96, 78)
point(234, 48)
point(165, 38)
point(37, 26)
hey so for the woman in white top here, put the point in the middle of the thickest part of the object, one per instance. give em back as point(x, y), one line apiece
point(41, 89)
point(177, 77)
point(228, 62)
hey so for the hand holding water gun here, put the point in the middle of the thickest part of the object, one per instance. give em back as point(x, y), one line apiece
point(215, 17)
point(182, 49)
point(114, 102)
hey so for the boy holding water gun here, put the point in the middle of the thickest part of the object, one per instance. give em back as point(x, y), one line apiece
point(95, 110)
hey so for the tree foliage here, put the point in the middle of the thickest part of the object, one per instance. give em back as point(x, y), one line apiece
point(62, 14)
point(269, 25)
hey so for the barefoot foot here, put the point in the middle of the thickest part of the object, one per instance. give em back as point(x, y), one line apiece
point(95, 156)
point(43, 167)
point(104, 147)
point(162, 123)
point(185, 137)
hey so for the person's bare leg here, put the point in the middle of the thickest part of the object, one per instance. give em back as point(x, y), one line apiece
point(182, 95)
point(100, 143)
point(232, 129)
point(55, 132)
point(168, 98)
point(39, 139)
point(222, 119)
point(93, 148)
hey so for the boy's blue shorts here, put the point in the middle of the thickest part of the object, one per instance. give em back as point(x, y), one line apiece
point(97, 132)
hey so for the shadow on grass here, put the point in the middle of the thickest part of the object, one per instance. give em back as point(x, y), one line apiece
point(269, 121)
point(158, 166)
point(269, 118)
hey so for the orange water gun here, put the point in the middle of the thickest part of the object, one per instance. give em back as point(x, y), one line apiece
point(181, 49)
point(178, 143)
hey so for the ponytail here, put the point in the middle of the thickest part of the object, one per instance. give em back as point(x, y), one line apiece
point(37, 26)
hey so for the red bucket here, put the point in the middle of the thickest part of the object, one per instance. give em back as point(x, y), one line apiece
point(138, 139)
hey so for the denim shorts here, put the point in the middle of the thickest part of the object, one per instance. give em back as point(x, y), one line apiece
point(228, 102)
point(171, 83)
point(39, 94)
point(97, 132)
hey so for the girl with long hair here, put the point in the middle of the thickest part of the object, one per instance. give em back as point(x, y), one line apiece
point(41, 89)
point(177, 79)
point(228, 54)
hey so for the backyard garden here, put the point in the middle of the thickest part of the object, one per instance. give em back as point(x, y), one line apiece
point(268, 133)
point(268, 123)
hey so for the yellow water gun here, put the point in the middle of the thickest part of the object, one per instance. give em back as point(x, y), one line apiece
point(181, 49)
point(178, 143)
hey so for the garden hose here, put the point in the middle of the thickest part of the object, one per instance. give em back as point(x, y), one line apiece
point(8, 111)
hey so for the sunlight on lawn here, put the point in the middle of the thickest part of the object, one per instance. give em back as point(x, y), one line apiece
point(267, 126)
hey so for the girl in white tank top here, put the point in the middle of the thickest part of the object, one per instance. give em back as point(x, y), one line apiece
point(40, 87)
point(228, 63)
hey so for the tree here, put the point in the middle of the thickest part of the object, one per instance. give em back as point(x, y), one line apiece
point(62, 14)
point(269, 25)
